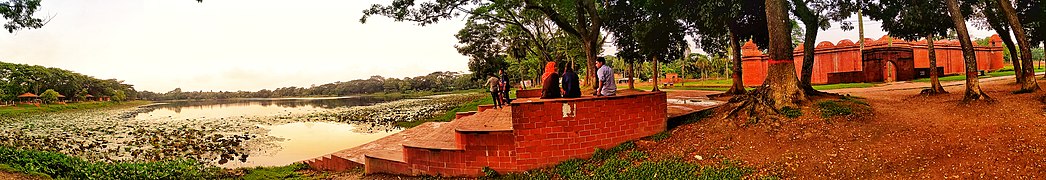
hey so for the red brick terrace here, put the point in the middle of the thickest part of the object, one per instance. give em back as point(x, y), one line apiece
point(530, 133)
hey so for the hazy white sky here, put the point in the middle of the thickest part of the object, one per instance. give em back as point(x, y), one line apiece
point(159, 45)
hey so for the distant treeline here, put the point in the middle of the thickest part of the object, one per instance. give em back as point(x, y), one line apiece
point(16, 79)
point(434, 82)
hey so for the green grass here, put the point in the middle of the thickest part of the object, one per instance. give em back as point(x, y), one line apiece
point(61, 166)
point(791, 112)
point(843, 86)
point(1003, 72)
point(280, 172)
point(449, 115)
point(401, 95)
point(23, 109)
point(627, 162)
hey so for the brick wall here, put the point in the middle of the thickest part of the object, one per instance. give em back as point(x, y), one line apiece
point(530, 93)
point(550, 131)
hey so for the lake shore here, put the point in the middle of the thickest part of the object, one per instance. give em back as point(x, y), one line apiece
point(100, 124)
point(27, 109)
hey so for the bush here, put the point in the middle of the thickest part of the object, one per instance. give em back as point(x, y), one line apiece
point(49, 96)
point(661, 136)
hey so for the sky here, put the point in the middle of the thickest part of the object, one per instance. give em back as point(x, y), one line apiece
point(229, 45)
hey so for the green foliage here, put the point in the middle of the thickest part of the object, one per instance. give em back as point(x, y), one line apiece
point(843, 86)
point(281, 172)
point(20, 15)
point(830, 108)
point(49, 96)
point(19, 110)
point(119, 96)
point(791, 112)
point(601, 154)
point(489, 173)
point(570, 169)
point(21, 78)
point(61, 166)
point(449, 115)
point(661, 136)
point(637, 155)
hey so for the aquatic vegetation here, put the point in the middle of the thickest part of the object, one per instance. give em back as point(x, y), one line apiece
point(116, 135)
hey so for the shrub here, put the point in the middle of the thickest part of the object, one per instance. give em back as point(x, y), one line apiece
point(61, 166)
point(49, 96)
point(661, 136)
point(833, 108)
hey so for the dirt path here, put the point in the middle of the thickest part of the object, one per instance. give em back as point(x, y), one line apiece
point(909, 136)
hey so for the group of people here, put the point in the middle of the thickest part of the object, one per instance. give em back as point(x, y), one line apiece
point(499, 88)
point(571, 87)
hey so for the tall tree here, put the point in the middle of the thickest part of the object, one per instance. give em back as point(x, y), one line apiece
point(19, 14)
point(973, 88)
point(727, 23)
point(781, 84)
point(580, 19)
point(480, 41)
point(912, 20)
point(994, 20)
point(650, 25)
point(1028, 72)
point(815, 15)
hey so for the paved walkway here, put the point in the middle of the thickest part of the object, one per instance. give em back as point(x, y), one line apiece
point(908, 85)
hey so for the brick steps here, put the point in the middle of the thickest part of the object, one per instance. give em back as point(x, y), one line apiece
point(531, 133)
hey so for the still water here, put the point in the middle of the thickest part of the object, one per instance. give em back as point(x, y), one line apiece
point(294, 141)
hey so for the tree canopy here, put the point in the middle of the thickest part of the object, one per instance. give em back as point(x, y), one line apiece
point(19, 14)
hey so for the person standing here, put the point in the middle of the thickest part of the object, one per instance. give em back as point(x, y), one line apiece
point(605, 78)
point(505, 87)
point(495, 86)
point(571, 84)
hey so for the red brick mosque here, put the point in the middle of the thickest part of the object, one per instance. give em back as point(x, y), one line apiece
point(883, 60)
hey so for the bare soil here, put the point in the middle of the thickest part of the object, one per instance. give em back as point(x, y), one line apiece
point(906, 136)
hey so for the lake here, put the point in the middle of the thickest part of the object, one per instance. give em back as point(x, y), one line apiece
point(226, 133)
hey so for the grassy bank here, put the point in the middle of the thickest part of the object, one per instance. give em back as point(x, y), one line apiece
point(23, 109)
point(52, 165)
point(449, 115)
point(401, 95)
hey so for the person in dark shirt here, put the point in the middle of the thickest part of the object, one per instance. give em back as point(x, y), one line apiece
point(571, 86)
point(550, 82)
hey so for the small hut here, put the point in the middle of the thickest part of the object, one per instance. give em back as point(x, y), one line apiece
point(89, 97)
point(28, 97)
point(61, 98)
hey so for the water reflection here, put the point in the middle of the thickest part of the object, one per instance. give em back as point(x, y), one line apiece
point(305, 140)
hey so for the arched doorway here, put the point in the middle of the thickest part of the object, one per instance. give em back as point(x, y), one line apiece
point(890, 72)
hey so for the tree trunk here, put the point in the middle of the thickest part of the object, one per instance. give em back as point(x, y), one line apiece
point(631, 74)
point(1029, 84)
point(1014, 58)
point(738, 86)
point(781, 82)
point(590, 63)
point(935, 83)
point(657, 74)
point(973, 89)
point(808, 57)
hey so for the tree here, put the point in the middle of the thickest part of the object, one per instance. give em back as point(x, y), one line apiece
point(49, 96)
point(119, 96)
point(815, 15)
point(19, 14)
point(579, 19)
point(479, 40)
point(727, 23)
point(911, 20)
point(1028, 83)
point(973, 88)
point(651, 26)
point(992, 19)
